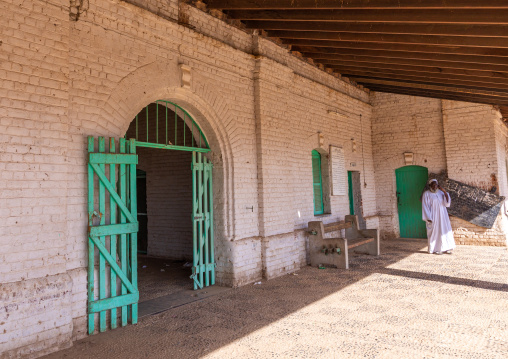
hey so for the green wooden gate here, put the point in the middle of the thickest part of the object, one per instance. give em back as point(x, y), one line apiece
point(203, 269)
point(112, 233)
point(112, 211)
point(410, 183)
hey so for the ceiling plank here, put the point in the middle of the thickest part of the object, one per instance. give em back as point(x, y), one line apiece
point(432, 16)
point(441, 84)
point(340, 46)
point(385, 28)
point(353, 4)
point(473, 41)
point(409, 55)
point(358, 77)
point(454, 49)
point(438, 94)
point(420, 69)
point(433, 87)
point(368, 60)
point(484, 82)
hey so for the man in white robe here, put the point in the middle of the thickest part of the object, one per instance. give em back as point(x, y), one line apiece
point(434, 213)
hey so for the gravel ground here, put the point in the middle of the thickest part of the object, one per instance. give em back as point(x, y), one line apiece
point(405, 303)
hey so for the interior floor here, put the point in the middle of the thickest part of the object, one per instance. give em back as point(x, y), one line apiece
point(159, 277)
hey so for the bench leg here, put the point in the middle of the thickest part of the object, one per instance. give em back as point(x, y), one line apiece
point(343, 261)
point(372, 248)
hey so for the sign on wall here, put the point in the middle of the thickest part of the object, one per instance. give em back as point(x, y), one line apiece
point(339, 185)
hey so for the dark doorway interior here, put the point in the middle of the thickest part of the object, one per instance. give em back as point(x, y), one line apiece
point(165, 222)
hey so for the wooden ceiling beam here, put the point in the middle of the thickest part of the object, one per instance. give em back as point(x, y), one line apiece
point(473, 59)
point(367, 81)
point(438, 94)
point(353, 4)
point(495, 87)
point(480, 82)
point(341, 46)
point(419, 69)
point(424, 16)
point(385, 28)
point(469, 41)
point(439, 65)
point(432, 87)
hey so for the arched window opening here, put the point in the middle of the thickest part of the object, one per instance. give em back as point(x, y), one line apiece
point(164, 124)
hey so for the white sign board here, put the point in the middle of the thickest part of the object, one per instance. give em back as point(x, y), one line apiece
point(339, 184)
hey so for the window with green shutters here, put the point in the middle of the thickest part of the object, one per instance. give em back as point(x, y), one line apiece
point(317, 180)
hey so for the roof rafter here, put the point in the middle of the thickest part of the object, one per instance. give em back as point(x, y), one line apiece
point(354, 4)
point(454, 49)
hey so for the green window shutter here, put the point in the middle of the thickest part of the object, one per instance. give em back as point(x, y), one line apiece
point(350, 187)
point(317, 182)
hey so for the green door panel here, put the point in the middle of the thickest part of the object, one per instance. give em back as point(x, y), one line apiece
point(112, 247)
point(350, 191)
point(410, 182)
point(317, 183)
point(203, 269)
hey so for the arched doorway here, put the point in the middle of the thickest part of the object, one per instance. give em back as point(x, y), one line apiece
point(172, 152)
point(410, 183)
point(166, 144)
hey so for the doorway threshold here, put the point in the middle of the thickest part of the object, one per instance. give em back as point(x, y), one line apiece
point(167, 302)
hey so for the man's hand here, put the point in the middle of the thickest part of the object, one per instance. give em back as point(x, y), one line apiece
point(429, 221)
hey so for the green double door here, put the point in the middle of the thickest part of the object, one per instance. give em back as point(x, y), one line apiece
point(410, 183)
point(113, 226)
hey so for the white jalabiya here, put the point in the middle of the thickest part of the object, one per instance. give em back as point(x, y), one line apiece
point(439, 233)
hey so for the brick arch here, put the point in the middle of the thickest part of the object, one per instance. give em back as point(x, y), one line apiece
point(161, 81)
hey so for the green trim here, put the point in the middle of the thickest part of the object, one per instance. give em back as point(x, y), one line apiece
point(112, 229)
point(113, 303)
point(171, 147)
point(107, 158)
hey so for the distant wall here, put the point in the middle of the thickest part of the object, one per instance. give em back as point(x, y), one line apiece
point(466, 140)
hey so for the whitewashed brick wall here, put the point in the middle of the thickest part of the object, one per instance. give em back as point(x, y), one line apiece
point(260, 107)
point(35, 316)
point(403, 124)
point(470, 141)
point(62, 81)
point(501, 131)
point(467, 140)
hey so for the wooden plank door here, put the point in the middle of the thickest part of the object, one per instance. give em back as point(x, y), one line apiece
point(112, 234)
point(410, 183)
point(203, 269)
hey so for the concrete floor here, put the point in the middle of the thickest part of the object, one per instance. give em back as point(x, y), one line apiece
point(404, 304)
point(159, 277)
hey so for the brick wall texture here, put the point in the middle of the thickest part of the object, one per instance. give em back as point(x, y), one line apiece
point(466, 140)
point(262, 110)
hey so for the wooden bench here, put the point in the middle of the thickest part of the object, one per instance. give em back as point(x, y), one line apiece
point(335, 251)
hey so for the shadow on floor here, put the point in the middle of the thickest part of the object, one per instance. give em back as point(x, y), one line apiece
point(373, 294)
